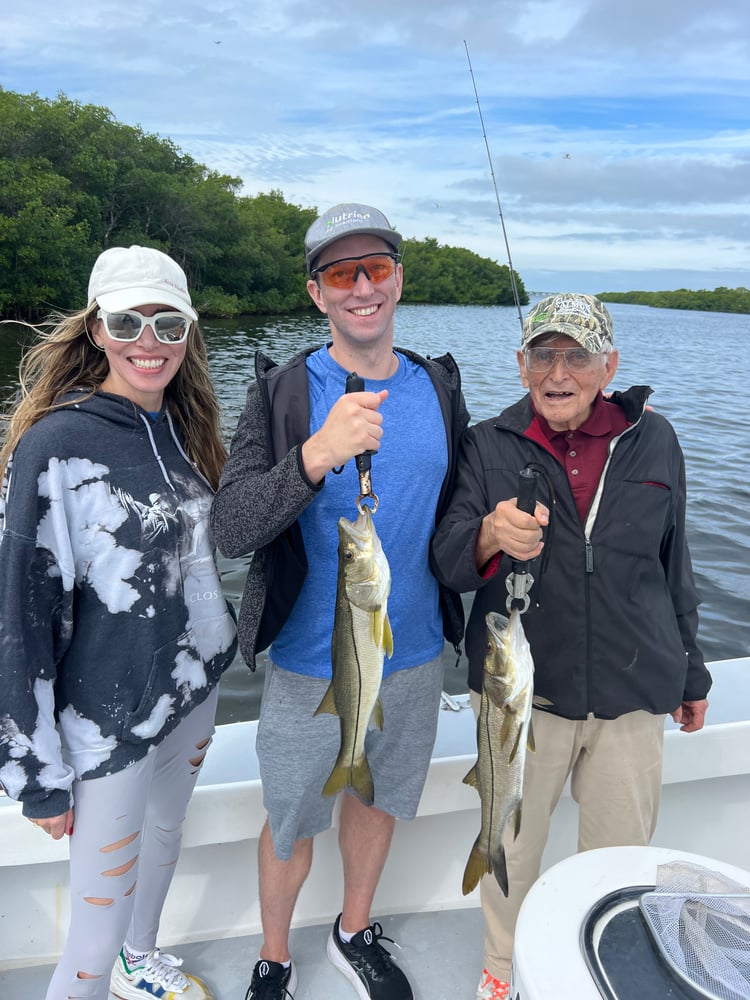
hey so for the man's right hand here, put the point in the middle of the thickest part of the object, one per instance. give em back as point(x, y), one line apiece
point(510, 530)
point(353, 426)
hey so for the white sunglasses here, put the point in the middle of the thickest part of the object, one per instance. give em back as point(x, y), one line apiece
point(127, 325)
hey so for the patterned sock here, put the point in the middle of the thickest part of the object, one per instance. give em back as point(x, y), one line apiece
point(133, 958)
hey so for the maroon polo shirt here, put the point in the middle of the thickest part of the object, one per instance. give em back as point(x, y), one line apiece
point(581, 452)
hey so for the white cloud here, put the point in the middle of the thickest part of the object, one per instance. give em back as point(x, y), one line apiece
point(618, 132)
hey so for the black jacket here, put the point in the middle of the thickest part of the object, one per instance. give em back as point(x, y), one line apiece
point(264, 489)
point(613, 617)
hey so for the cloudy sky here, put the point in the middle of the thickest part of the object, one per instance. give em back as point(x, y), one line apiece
point(619, 133)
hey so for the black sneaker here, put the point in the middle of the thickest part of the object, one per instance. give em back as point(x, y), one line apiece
point(367, 965)
point(271, 981)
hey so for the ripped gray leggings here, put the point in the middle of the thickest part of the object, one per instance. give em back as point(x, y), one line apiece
point(126, 840)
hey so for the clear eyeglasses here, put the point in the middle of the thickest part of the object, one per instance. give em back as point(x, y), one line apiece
point(543, 359)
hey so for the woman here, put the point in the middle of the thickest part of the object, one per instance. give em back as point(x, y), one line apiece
point(113, 628)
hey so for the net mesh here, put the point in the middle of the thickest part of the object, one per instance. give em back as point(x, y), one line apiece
point(700, 921)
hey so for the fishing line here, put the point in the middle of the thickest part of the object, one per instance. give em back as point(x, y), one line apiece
point(513, 285)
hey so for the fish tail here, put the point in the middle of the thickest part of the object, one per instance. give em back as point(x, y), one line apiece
point(357, 776)
point(500, 869)
point(477, 866)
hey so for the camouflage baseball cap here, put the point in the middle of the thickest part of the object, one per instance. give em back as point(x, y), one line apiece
point(347, 220)
point(582, 317)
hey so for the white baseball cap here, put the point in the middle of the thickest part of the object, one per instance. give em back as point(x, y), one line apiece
point(126, 277)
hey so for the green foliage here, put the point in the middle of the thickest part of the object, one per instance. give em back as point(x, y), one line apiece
point(729, 300)
point(74, 181)
point(440, 274)
point(212, 301)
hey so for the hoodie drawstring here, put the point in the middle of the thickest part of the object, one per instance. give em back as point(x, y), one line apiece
point(157, 456)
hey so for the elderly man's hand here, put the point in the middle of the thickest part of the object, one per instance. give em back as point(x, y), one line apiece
point(691, 714)
point(510, 530)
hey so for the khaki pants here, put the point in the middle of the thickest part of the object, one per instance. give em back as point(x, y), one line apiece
point(615, 767)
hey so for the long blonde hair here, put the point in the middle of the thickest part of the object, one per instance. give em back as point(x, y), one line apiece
point(64, 358)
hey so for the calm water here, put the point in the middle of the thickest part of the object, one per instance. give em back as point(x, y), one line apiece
point(696, 363)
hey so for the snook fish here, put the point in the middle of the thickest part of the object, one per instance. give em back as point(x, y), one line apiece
point(361, 639)
point(503, 734)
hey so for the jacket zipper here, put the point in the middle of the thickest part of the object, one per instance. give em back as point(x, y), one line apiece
point(591, 516)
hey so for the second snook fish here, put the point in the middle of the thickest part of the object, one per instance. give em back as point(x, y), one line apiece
point(503, 734)
point(361, 640)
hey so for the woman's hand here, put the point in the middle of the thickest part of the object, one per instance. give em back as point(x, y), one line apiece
point(55, 826)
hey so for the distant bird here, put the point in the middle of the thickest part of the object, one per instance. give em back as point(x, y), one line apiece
point(217, 43)
point(566, 156)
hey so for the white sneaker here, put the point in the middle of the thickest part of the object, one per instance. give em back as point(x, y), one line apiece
point(156, 970)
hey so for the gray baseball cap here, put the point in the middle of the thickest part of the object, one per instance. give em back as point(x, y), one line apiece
point(347, 219)
point(582, 317)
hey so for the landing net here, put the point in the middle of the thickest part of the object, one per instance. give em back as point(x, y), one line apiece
point(700, 922)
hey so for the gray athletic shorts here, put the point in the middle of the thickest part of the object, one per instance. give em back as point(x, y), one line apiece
point(297, 749)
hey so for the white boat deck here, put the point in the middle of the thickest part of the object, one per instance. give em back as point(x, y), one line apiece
point(441, 953)
point(212, 918)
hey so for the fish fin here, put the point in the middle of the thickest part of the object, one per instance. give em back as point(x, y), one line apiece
point(516, 745)
point(327, 702)
point(495, 691)
point(376, 626)
point(506, 727)
point(477, 865)
point(387, 637)
point(471, 778)
point(358, 777)
point(376, 719)
point(500, 869)
point(530, 741)
point(380, 630)
point(517, 821)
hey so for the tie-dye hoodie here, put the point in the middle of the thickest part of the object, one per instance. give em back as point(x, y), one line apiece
point(113, 626)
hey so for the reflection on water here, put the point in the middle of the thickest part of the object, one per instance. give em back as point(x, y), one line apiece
point(694, 362)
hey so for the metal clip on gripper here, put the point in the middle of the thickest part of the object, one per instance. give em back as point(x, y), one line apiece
point(364, 461)
point(519, 580)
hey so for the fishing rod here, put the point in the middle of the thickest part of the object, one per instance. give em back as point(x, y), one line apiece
point(513, 285)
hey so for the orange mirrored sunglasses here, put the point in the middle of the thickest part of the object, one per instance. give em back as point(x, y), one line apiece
point(343, 273)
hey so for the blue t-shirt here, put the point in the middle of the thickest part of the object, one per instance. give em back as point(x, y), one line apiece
point(407, 473)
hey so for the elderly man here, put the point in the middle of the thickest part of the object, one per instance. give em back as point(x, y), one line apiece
point(612, 621)
point(280, 497)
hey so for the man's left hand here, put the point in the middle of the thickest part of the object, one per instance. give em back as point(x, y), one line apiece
point(691, 714)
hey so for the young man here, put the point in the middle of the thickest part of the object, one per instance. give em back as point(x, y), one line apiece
point(281, 499)
point(613, 616)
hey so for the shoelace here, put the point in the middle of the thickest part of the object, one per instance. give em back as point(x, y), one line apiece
point(268, 987)
point(374, 954)
point(164, 970)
